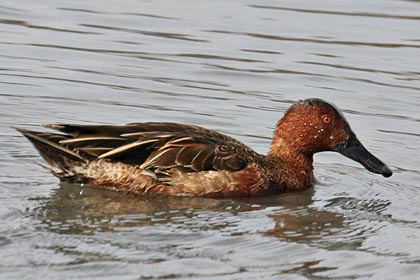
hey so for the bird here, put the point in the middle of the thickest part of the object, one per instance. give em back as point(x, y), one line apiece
point(163, 158)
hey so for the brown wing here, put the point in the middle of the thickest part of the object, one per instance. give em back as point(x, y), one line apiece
point(157, 146)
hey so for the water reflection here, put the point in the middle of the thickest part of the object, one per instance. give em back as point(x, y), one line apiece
point(291, 218)
point(83, 210)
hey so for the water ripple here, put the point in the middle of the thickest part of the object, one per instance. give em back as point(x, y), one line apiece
point(317, 41)
point(340, 13)
point(231, 66)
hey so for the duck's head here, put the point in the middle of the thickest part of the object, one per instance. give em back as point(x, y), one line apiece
point(313, 125)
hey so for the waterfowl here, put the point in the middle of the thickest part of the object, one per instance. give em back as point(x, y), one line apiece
point(181, 159)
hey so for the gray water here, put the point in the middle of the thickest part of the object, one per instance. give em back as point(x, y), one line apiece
point(233, 66)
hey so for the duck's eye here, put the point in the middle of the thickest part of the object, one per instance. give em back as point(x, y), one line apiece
point(326, 119)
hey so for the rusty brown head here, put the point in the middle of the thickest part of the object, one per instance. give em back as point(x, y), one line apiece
point(313, 125)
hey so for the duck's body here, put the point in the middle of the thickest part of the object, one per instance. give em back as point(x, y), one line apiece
point(165, 158)
point(179, 159)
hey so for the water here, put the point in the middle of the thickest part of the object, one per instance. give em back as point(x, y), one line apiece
point(234, 66)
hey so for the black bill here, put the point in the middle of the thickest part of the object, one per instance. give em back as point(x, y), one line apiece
point(354, 150)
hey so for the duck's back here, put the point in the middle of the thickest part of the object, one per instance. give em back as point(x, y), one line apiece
point(151, 158)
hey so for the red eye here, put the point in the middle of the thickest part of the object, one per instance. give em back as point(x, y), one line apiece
point(326, 119)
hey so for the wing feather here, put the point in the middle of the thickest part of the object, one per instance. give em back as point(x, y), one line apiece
point(89, 139)
point(127, 147)
point(157, 147)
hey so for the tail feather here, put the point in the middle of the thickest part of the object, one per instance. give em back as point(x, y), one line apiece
point(57, 156)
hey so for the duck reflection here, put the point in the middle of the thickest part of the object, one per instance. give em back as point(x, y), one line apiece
point(74, 209)
point(83, 210)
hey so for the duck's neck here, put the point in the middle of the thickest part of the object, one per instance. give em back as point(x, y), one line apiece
point(290, 166)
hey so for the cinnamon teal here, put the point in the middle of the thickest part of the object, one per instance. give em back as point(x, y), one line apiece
point(180, 159)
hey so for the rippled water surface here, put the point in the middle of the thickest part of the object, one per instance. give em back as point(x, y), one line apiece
point(234, 66)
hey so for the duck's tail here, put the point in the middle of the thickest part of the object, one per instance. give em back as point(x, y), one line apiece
point(61, 160)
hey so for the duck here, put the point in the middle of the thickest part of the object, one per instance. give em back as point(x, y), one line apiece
point(182, 159)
